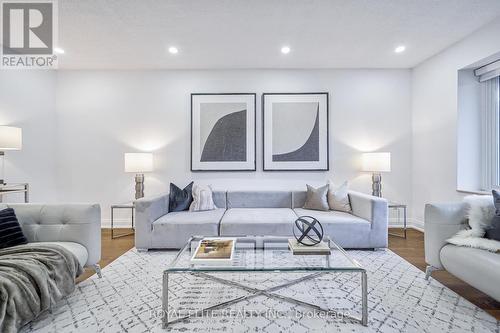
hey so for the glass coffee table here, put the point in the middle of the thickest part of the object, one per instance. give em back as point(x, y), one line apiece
point(269, 254)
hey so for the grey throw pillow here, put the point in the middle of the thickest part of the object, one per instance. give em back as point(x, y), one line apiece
point(317, 198)
point(180, 200)
point(493, 232)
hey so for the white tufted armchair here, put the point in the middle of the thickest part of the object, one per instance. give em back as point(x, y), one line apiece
point(77, 227)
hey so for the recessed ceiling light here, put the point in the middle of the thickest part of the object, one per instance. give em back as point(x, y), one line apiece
point(285, 49)
point(400, 49)
point(58, 50)
point(173, 50)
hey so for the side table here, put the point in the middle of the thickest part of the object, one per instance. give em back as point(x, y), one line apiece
point(130, 206)
point(15, 188)
point(400, 207)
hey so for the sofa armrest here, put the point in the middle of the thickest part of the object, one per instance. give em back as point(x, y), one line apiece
point(369, 207)
point(375, 210)
point(148, 210)
point(78, 223)
point(442, 221)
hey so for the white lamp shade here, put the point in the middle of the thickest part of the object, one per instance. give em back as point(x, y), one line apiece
point(11, 138)
point(138, 162)
point(376, 162)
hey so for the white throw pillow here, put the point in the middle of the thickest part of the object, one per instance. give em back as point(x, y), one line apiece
point(338, 198)
point(480, 211)
point(202, 199)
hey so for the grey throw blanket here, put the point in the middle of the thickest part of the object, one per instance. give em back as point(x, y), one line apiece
point(32, 279)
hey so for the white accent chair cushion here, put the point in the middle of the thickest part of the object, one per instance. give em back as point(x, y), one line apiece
point(78, 250)
point(477, 267)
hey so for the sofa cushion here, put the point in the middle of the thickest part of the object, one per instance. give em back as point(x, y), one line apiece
point(347, 230)
point(220, 199)
point(259, 199)
point(331, 216)
point(78, 250)
point(258, 221)
point(479, 268)
point(191, 218)
point(177, 227)
point(299, 199)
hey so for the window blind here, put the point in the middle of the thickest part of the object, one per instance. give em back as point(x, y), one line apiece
point(490, 136)
point(488, 72)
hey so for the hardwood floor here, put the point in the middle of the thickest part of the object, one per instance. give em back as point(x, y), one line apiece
point(411, 249)
point(111, 249)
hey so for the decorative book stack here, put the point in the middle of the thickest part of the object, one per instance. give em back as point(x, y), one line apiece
point(321, 248)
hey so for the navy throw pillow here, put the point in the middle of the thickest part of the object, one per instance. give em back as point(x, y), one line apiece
point(180, 200)
point(494, 231)
point(11, 233)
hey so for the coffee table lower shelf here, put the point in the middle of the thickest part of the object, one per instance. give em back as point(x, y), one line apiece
point(255, 292)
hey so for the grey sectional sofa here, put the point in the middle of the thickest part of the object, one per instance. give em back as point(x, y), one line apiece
point(479, 268)
point(259, 213)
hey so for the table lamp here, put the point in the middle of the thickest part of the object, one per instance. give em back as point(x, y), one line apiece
point(11, 138)
point(376, 163)
point(139, 163)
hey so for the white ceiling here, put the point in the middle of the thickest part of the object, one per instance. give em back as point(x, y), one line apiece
point(130, 34)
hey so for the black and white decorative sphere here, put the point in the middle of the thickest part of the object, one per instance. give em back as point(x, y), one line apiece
point(308, 231)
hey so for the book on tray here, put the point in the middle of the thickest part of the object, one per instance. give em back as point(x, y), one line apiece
point(214, 251)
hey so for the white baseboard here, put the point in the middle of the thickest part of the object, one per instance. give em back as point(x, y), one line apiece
point(417, 224)
point(412, 223)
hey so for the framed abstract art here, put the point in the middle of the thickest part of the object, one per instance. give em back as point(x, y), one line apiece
point(295, 131)
point(223, 132)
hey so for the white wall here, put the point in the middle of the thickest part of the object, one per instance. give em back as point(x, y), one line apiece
point(434, 117)
point(78, 124)
point(102, 114)
point(468, 131)
point(27, 100)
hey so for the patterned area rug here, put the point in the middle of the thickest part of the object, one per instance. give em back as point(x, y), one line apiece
point(128, 299)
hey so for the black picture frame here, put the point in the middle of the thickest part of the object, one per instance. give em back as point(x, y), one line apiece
point(254, 136)
point(327, 132)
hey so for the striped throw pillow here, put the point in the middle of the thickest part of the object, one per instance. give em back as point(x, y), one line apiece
point(202, 199)
point(11, 233)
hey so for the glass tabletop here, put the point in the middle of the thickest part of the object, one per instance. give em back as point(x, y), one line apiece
point(123, 205)
point(265, 253)
point(14, 186)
